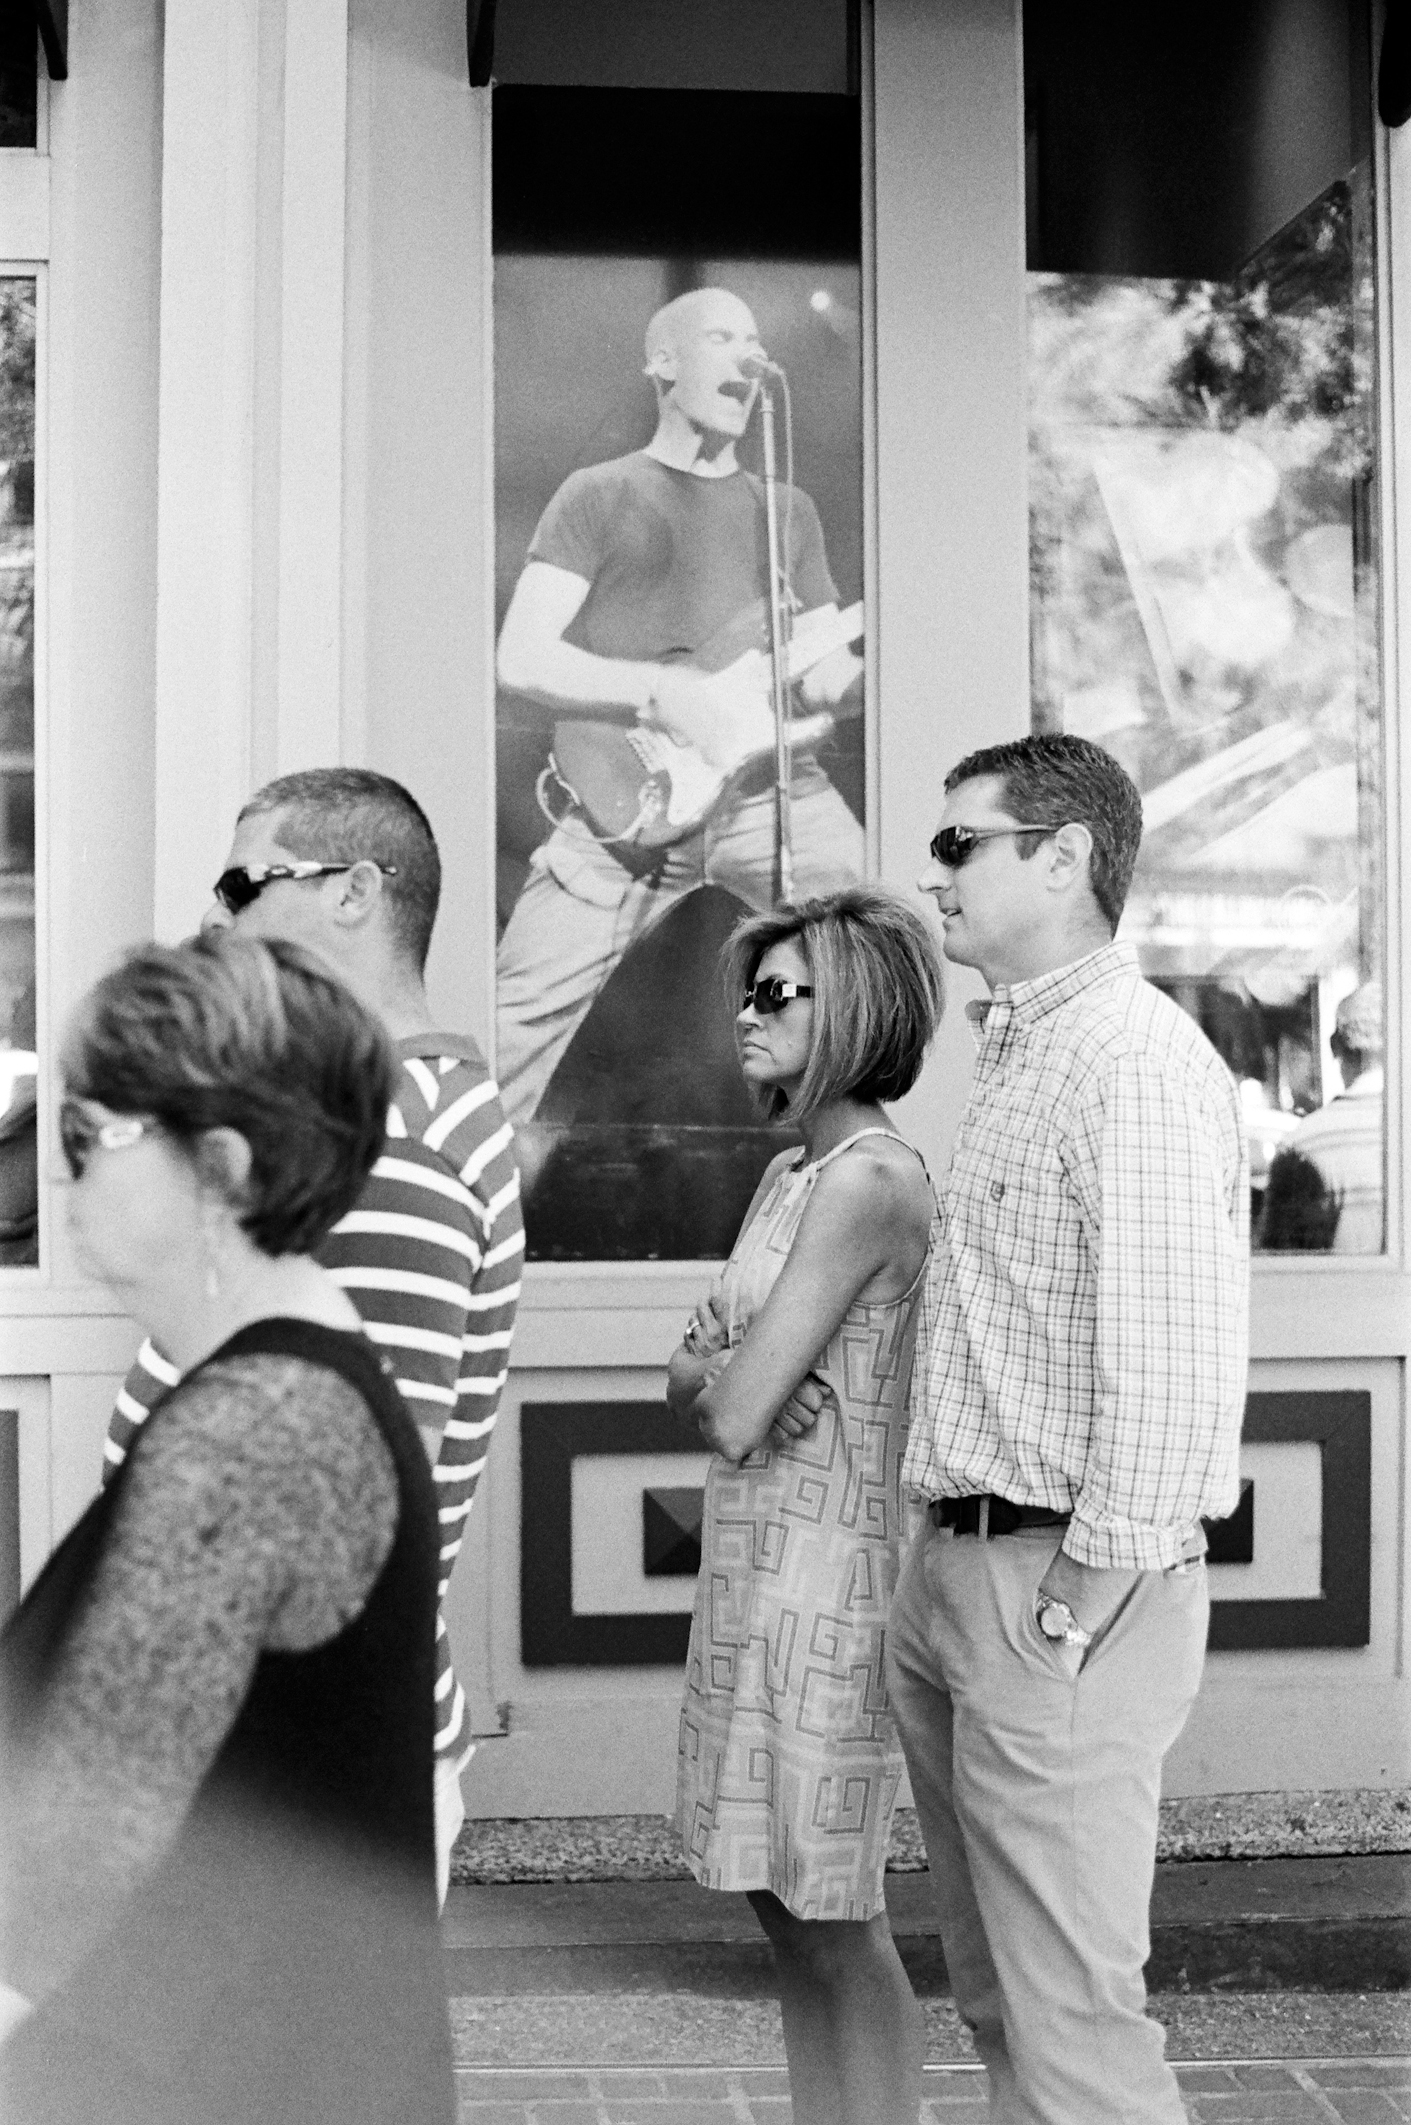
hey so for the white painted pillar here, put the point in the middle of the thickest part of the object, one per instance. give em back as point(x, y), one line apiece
point(952, 546)
point(311, 385)
point(418, 541)
point(250, 453)
point(204, 454)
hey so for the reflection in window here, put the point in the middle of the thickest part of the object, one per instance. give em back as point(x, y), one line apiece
point(1204, 572)
point(19, 77)
point(19, 1194)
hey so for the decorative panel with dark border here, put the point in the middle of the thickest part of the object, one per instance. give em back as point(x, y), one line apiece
point(554, 1434)
point(1340, 1425)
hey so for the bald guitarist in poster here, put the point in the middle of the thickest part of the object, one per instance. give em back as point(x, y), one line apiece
point(639, 622)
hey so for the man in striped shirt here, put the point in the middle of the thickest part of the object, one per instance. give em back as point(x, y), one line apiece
point(344, 861)
point(1076, 1404)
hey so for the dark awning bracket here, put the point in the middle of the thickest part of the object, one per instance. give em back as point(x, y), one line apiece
point(480, 40)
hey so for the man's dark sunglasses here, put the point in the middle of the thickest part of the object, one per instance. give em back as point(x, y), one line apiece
point(772, 995)
point(244, 882)
point(955, 845)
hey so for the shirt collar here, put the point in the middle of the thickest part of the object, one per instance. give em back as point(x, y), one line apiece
point(430, 1046)
point(1028, 1001)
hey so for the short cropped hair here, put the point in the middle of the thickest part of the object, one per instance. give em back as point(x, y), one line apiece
point(251, 1034)
point(1358, 1025)
point(1054, 779)
point(878, 991)
point(342, 814)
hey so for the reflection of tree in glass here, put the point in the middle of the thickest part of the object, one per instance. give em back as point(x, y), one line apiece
point(17, 338)
point(17, 351)
point(15, 536)
point(1203, 602)
point(1280, 340)
point(1199, 454)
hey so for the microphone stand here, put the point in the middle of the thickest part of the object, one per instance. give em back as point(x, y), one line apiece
point(780, 631)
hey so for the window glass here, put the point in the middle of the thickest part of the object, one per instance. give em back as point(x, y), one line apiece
point(625, 854)
point(1204, 562)
point(19, 78)
point(19, 1195)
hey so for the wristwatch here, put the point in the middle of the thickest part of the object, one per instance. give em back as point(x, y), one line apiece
point(1057, 1621)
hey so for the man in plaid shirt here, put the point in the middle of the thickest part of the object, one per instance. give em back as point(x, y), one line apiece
point(1076, 1405)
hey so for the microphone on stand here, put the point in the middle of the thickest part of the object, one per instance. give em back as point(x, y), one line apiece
point(757, 366)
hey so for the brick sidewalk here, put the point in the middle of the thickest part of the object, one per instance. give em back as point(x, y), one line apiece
point(1293, 2092)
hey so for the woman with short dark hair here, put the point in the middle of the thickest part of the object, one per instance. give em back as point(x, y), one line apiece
point(217, 1854)
point(796, 1369)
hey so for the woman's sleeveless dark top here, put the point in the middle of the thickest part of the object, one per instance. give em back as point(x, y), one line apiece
point(284, 1962)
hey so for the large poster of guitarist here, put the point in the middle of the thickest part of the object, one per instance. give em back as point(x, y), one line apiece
point(639, 636)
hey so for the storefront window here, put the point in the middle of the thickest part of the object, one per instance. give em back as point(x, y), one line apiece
point(19, 77)
point(641, 324)
point(1204, 563)
point(19, 1196)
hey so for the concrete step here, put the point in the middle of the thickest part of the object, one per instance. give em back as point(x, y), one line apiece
point(1246, 1926)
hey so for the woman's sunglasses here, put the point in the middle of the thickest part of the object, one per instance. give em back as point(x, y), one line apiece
point(770, 996)
point(244, 882)
point(955, 845)
point(80, 1135)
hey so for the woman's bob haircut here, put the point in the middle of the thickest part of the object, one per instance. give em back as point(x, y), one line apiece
point(878, 992)
point(227, 1032)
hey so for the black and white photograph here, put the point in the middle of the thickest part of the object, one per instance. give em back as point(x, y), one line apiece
point(680, 701)
point(705, 1134)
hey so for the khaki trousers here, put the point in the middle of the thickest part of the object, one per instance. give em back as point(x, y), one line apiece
point(1036, 1771)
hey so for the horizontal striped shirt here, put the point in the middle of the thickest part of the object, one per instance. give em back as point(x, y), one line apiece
point(1084, 1329)
point(431, 1255)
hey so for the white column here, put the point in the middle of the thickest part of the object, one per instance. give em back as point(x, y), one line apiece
point(952, 548)
point(204, 469)
point(250, 457)
point(418, 543)
point(311, 384)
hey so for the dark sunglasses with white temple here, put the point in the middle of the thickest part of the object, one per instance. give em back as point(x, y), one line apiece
point(244, 882)
point(768, 996)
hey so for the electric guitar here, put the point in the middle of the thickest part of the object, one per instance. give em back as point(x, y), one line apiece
point(636, 785)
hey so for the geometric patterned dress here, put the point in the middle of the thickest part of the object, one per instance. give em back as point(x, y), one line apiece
point(789, 1762)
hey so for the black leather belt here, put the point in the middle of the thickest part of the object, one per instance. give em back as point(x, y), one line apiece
point(968, 1516)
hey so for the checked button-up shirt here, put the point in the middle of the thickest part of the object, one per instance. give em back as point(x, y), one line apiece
point(1084, 1330)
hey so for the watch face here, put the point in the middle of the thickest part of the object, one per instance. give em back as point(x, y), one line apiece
point(1053, 1621)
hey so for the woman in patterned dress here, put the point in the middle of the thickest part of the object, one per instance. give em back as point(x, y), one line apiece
point(796, 1369)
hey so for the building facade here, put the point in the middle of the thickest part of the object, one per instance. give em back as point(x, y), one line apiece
point(1100, 395)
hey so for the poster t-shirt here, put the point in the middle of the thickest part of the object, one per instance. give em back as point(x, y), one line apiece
point(674, 558)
